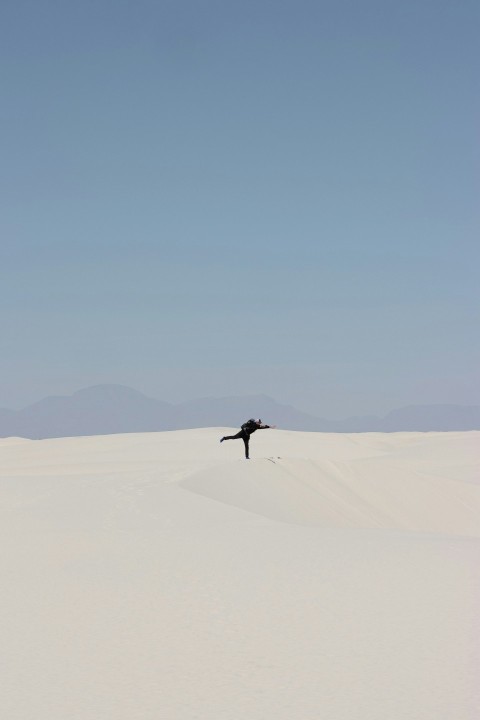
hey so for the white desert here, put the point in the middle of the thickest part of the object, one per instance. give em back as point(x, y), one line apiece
point(162, 576)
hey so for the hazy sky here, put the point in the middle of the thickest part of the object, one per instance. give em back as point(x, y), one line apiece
point(220, 198)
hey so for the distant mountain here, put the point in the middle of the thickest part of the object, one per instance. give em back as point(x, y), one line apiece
point(108, 409)
point(417, 418)
point(99, 410)
point(433, 417)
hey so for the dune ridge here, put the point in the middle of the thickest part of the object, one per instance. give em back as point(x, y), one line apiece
point(367, 481)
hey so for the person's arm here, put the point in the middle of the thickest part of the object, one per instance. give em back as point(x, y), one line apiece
point(264, 427)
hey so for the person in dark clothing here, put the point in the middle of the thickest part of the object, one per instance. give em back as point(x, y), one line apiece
point(245, 431)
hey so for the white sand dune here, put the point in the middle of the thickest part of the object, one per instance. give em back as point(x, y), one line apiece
point(161, 575)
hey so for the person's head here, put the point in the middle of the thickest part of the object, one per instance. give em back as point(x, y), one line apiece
point(259, 422)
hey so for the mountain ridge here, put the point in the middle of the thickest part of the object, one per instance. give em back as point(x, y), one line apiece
point(109, 409)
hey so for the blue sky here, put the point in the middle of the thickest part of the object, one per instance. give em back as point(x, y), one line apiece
point(222, 198)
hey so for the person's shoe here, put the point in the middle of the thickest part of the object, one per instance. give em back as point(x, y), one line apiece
point(222, 439)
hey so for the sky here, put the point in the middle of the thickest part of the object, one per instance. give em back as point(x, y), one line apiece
point(204, 198)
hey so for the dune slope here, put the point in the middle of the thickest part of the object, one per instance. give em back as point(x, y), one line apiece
point(162, 575)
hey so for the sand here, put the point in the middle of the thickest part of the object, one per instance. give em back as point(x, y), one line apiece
point(161, 575)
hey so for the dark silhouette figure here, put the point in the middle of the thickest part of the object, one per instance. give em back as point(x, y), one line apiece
point(246, 430)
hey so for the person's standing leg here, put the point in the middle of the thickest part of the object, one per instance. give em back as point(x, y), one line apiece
point(246, 438)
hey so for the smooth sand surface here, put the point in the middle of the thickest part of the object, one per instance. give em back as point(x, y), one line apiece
point(161, 575)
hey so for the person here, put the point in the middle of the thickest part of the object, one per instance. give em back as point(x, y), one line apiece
point(246, 430)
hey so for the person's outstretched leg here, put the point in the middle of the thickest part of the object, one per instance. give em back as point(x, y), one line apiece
point(232, 437)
